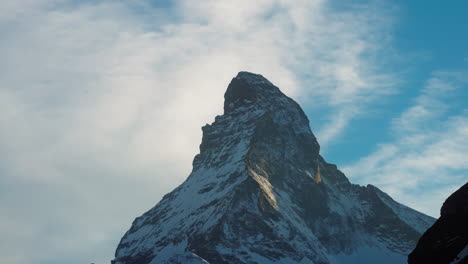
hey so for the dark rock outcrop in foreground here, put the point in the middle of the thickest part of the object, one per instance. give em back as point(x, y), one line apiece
point(447, 240)
point(260, 192)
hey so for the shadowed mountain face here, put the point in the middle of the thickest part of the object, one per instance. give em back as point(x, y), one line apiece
point(447, 240)
point(254, 196)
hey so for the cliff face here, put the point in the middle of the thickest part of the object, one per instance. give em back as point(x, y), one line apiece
point(254, 196)
point(447, 240)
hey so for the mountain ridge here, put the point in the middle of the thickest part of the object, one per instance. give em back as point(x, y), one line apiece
point(253, 197)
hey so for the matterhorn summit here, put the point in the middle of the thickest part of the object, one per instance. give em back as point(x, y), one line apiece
point(260, 192)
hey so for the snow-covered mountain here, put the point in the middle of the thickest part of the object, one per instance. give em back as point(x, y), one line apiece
point(260, 192)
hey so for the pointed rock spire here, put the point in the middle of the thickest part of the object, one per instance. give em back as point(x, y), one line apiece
point(251, 197)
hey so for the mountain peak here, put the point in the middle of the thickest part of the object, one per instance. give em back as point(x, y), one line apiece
point(259, 192)
point(256, 113)
point(247, 88)
point(252, 78)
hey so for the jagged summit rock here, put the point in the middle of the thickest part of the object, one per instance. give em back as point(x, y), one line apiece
point(255, 195)
point(246, 88)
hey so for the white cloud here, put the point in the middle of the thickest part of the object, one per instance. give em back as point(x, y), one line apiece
point(427, 161)
point(101, 103)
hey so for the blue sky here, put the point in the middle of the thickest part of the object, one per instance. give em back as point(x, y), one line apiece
point(101, 103)
point(428, 37)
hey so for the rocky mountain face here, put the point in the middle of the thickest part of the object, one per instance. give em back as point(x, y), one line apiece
point(260, 192)
point(447, 240)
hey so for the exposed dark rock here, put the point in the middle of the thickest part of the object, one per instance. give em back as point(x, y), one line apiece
point(444, 241)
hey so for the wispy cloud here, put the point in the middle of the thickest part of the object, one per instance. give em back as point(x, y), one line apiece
point(426, 162)
point(342, 73)
point(101, 102)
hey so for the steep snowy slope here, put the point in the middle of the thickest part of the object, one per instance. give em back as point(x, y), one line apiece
point(255, 196)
